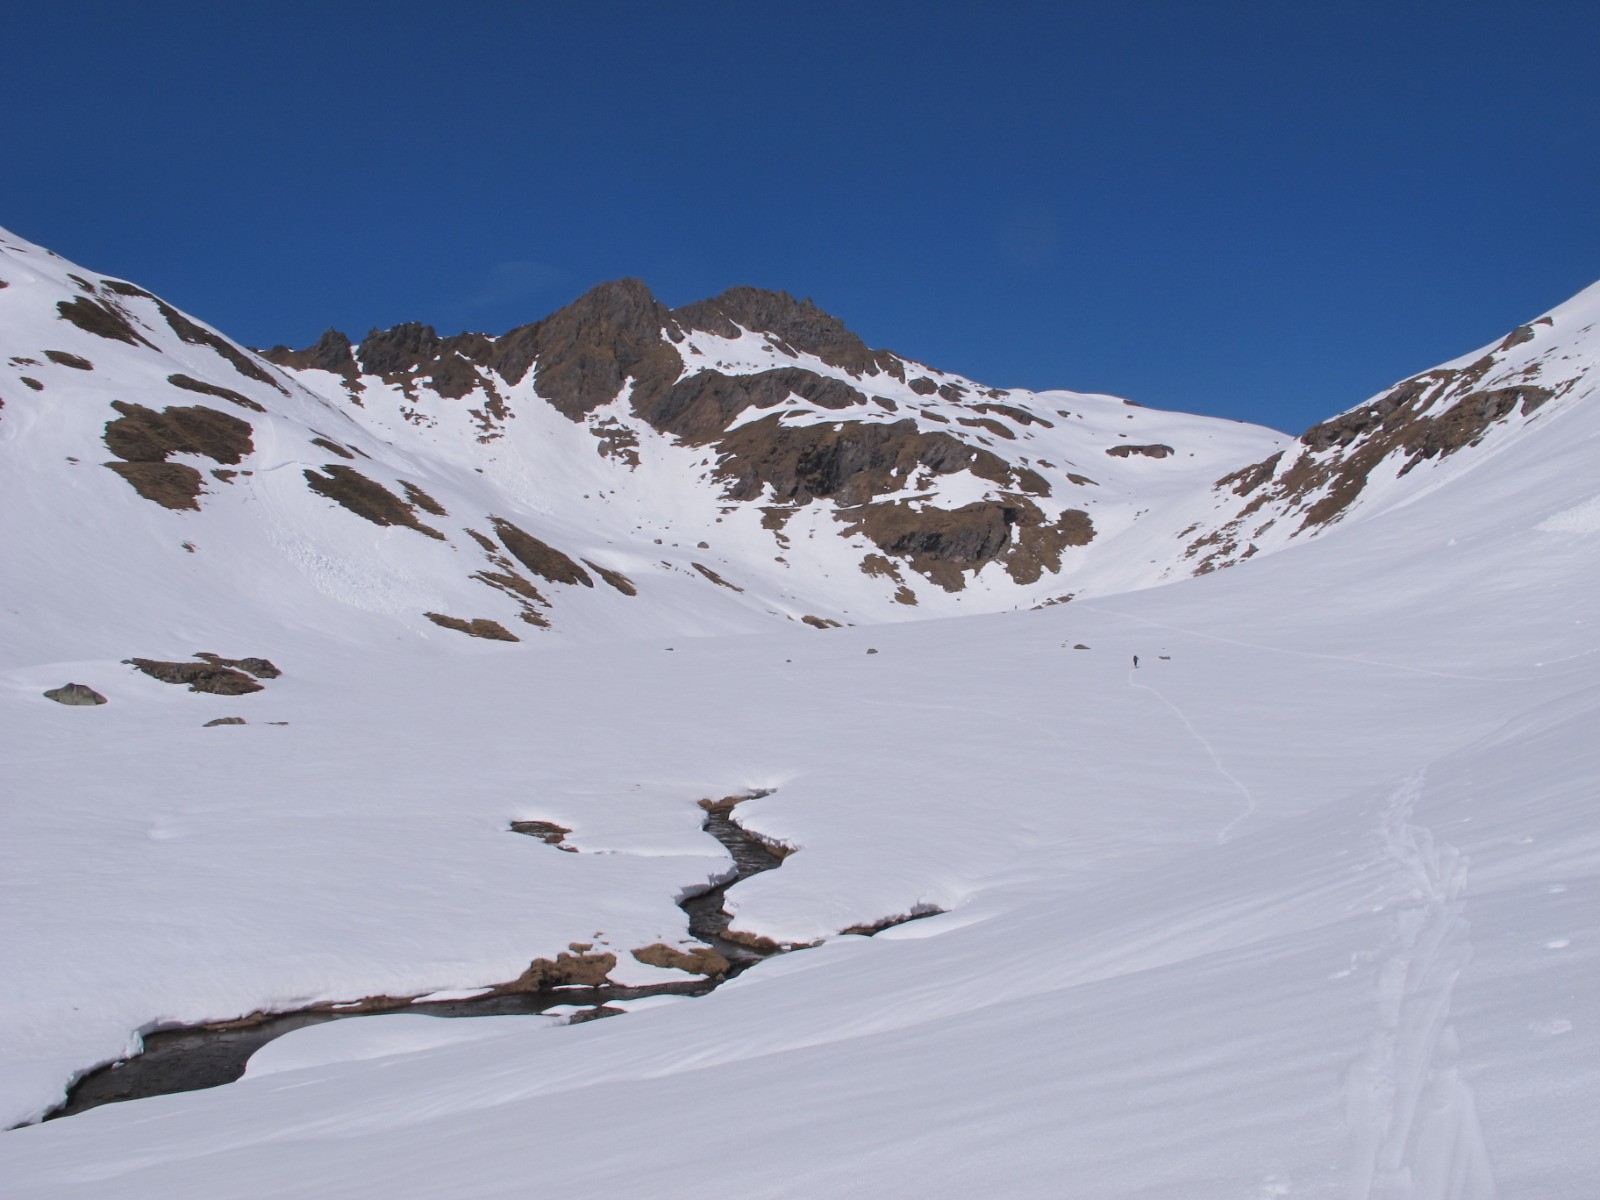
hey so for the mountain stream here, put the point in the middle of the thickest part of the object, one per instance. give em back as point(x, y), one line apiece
point(188, 1058)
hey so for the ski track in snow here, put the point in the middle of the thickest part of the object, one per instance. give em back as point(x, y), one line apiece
point(1249, 800)
point(1412, 1120)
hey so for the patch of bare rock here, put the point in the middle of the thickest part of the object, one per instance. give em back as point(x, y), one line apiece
point(367, 498)
point(547, 832)
point(213, 674)
point(75, 695)
point(144, 438)
point(478, 627)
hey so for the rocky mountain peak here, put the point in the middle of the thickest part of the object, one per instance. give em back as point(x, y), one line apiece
point(587, 350)
point(330, 352)
point(793, 326)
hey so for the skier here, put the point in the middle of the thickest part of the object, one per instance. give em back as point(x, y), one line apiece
point(1135, 662)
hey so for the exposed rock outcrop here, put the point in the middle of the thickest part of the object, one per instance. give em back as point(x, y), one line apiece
point(99, 318)
point(259, 667)
point(189, 384)
point(75, 695)
point(565, 970)
point(702, 406)
point(200, 676)
point(1152, 451)
point(1428, 416)
point(698, 960)
point(587, 350)
point(791, 325)
point(330, 352)
point(478, 627)
point(144, 438)
point(366, 498)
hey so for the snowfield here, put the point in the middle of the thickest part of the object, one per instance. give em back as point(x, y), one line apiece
point(1307, 904)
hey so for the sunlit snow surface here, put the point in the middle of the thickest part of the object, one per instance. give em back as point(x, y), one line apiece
point(1306, 908)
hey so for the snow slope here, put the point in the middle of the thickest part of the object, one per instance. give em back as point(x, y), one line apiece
point(1303, 906)
point(1404, 442)
point(608, 491)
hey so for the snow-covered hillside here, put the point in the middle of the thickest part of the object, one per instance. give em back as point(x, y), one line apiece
point(1404, 442)
point(632, 470)
point(1302, 905)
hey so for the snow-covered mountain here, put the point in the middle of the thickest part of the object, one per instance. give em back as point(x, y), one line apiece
point(613, 469)
point(1404, 442)
point(1303, 904)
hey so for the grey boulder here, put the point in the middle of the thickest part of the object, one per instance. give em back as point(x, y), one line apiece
point(75, 694)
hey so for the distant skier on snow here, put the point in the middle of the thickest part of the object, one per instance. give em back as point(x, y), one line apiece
point(1135, 662)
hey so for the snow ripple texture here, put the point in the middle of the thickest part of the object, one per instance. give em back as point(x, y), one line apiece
point(1413, 1122)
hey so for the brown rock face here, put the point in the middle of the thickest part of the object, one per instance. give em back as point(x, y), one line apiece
point(1155, 450)
point(99, 318)
point(852, 463)
point(144, 438)
point(700, 407)
point(701, 960)
point(189, 384)
point(200, 676)
point(619, 336)
point(411, 352)
point(550, 834)
point(478, 627)
point(944, 544)
point(197, 335)
point(565, 970)
point(259, 667)
point(1247, 479)
point(543, 560)
point(939, 543)
point(398, 350)
point(1431, 415)
point(144, 435)
point(1038, 544)
point(171, 485)
point(615, 578)
point(330, 352)
point(791, 325)
point(367, 498)
point(587, 350)
point(332, 447)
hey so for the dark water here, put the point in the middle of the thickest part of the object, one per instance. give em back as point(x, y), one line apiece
point(189, 1058)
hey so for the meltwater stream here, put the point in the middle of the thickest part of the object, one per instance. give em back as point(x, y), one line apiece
point(192, 1057)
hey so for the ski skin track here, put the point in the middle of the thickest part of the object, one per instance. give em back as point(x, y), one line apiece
point(1250, 806)
point(1413, 1121)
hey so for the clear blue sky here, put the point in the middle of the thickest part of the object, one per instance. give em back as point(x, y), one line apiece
point(1260, 210)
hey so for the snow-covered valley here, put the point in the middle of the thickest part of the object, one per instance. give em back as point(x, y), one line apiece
point(1303, 904)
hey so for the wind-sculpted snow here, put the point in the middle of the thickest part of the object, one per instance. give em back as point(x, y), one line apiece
point(1305, 905)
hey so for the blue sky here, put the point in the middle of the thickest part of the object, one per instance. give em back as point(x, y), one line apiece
point(1263, 211)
